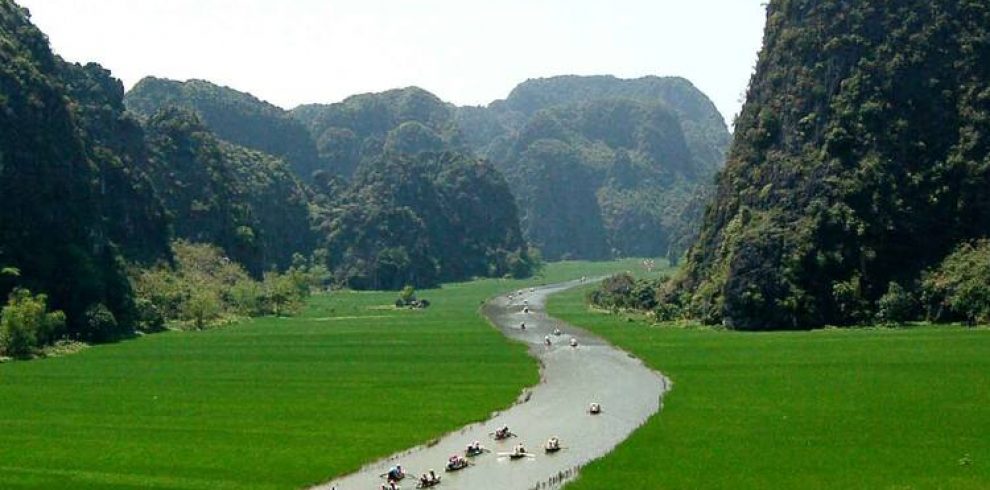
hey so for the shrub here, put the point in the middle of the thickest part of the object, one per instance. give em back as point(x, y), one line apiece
point(959, 288)
point(896, 306)
point(100, 322)
point(407, 295)
point(149, 317)
point(622, 291)
point(26, 323)
point(202, 288)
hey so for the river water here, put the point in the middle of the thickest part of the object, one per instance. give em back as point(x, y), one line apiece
point(571, 379)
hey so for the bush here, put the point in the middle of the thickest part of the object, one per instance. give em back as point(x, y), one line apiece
point(26, 323)
point(149, 317)
point(896, 306)
point(203, 288)
point(201, 308)
point(406, 296)
point(100, 322)
point(623, 291)
point(959, 288)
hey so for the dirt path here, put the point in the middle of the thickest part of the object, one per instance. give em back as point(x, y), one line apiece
point(572, 378)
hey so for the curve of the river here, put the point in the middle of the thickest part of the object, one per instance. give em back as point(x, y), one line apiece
point(571, 379)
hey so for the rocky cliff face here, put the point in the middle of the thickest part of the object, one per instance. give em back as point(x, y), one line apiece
point(860, 158)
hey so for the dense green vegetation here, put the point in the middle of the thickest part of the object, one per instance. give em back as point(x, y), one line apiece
point(233, 116)
point(26, 324)
point(958, 289)
point(424, 219)
point(364, 127)
point(54, 231)
point(860, 161)
point(837, 408)
point(394, 206)
point(244, 201)
point(604, 167)
point(136, 220)
point(268, 403)
point(600, 167)
point(202, 288)
point(87, 188)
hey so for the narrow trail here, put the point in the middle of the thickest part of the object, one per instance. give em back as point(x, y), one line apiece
point(571, 379)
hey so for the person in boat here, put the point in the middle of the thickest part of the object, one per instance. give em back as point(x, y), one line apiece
point(474, 448)
point(519, 450)
point(546, 340)
point(557, 331)
point(502, 432)
point(395, 473)
point(595, 408)
point(553, 444)
point(433, 476)
point(456, 461)
point(424, 480)
point(522, 326)
point(573, 342)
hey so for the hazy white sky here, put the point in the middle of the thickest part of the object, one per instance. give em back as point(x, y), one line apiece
point(291, 52)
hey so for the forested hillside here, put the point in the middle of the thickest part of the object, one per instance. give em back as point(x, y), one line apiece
point(237, 117)
point(55, 230)
point(601, 166)
point(384, 216)
point(135, 217)
point(421, 219)
point(364, 127)
point(246, 202)
point(91, 195)
point(860, 161)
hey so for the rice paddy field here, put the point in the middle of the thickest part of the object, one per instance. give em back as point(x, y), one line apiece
point(267, 403)
point(878, 408)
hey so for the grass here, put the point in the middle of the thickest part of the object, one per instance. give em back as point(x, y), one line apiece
point(268, 403)
point(865, 408)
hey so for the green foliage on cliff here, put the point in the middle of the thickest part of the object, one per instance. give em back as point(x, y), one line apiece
point(860, 159)
point(53, 229)
point(234, 116)
point(364, 127)
point(421, 220)
point(601, 166)
point(115, 141)
point(246, 202)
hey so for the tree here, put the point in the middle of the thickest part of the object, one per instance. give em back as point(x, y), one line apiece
point(202, 307)
point(407, 296)
point(26, 323)
point(897, 305)
point(959, 288)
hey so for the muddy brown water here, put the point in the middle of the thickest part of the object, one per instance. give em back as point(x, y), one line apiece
point(571, 379)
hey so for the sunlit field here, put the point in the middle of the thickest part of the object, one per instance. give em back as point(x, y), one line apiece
point(852, 408)
point(267, 403)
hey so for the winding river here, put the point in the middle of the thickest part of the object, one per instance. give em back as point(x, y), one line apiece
point(571, 379)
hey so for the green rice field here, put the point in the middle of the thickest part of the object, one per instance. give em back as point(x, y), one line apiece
point(267, 403)
point(839, 409)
